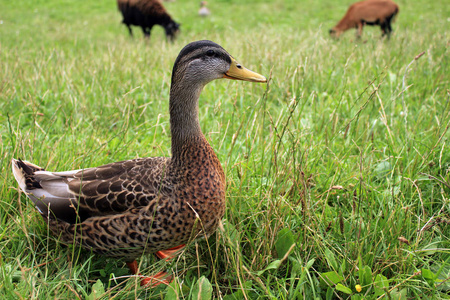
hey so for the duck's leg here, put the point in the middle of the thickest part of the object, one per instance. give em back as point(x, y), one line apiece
point(169, 253)
point(160, 277)
point(152, 281)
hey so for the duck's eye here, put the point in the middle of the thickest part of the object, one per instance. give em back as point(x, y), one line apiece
point(210, 53)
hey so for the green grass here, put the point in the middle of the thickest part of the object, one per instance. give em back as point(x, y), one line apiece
point(337, 170)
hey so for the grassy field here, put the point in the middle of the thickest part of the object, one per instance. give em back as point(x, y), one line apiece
point(337, 169)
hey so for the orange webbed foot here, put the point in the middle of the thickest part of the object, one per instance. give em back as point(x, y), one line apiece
point(151, 281)
point(169, 253)
point(161, 277)
point(157, 279)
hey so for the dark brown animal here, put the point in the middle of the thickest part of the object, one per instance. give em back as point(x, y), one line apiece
point(368, 12)
point(146, 14)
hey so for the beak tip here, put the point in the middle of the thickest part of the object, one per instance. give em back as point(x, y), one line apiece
point(260, 78)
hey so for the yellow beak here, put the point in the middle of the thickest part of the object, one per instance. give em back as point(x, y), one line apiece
point(238, 72)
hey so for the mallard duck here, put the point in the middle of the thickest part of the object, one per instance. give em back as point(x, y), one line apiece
point(146, 205)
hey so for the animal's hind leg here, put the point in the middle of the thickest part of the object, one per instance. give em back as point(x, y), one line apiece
point(383, 29)
point(389, 28)
point(359, 29)
point(129, 30)
point(386, 28)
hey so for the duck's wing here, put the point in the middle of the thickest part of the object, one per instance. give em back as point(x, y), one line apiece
point(106, 190)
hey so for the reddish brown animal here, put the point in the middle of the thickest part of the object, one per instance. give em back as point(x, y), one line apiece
point(146, 14)
point(368, 12)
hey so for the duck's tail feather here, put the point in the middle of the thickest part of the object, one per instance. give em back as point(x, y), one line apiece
point(23, 172)
point(48, 191)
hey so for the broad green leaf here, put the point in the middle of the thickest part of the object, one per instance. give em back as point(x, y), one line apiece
point(97, 291)
point(272, 266)
point(380, 284)
point(173, 291)
point(331, 278)
point(285, 240)
point(202, 290)
point(331, 259)
point(365, 276)
point(343, 267)
point(429, 276)
point(329, 295)
point(399, 294)
point(360, 265)
point(343, 289)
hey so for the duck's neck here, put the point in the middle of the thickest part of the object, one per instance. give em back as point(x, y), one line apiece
point(184, 124)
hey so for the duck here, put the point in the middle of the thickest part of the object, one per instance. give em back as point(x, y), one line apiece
point(152, 205)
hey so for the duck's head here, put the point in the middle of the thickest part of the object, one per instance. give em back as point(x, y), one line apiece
point(203, 61)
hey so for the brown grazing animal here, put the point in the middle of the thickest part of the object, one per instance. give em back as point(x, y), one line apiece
point(368, 12)
point(146, 14)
